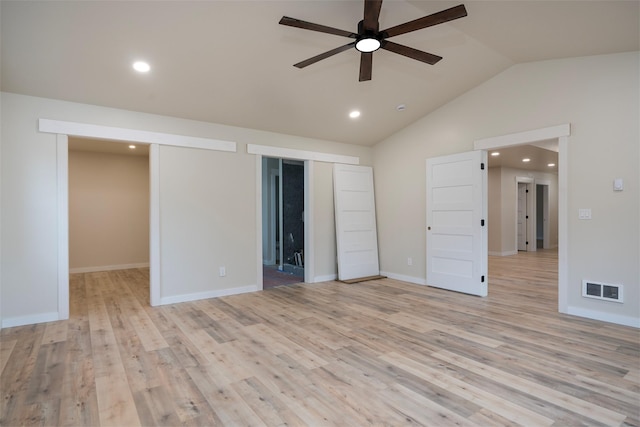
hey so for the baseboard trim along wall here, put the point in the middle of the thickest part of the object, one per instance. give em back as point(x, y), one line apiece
point(206, 295)
point(505, 253)
point(108, 268)
point(326, 278)
point(410, 279)
point(634, 322)
point(30, 320)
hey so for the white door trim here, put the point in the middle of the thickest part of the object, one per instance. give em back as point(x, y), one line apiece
point(62, 178)
point(309, 218)
point(523, 138)
point(309, 242)
point(155, 294)
point(562, 133)
point(132, 135)
point(293, 154)
point(259, 281)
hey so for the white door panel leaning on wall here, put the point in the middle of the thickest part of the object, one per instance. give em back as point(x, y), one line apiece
point(355, 210)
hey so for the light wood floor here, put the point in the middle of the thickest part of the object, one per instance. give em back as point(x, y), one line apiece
point(382, 352)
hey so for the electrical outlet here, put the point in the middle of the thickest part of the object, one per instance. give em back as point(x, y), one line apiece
point(584, 213)
point(223, 271)
point(409, 261)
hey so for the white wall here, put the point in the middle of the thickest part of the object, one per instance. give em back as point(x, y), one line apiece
point(108, 211)
point(599, 96)
point(207, 221)
point(326, 264)
point(215, 182)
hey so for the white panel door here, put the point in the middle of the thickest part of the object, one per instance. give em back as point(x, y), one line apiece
point(522, 216)
point(355, 213)
point(456, 222)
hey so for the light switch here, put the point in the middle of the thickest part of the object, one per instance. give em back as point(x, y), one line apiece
point(584, 213)
point(618, 184)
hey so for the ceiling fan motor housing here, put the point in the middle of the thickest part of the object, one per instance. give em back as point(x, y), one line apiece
point(369, 39)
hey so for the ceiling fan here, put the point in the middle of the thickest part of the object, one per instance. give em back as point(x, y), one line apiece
point(369, 38)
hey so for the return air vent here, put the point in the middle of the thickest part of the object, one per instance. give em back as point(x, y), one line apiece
point(603, 291)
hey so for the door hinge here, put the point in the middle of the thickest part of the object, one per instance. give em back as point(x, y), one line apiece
point(482, 166)
point(482, 223)
point(482, 279)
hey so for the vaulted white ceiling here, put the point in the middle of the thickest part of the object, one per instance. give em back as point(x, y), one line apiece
point(230, 62)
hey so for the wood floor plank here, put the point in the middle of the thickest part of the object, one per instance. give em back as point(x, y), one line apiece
point(382, 352)
point(5, 352)
point(228, 405)
point(597, 413)
point(55, 332)
point(148, 334)
point(503, 408)
point(116, 406)
point(266, 404)
point(17, 377)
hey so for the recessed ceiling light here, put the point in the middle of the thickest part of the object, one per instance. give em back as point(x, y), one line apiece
point(132, 147)
point(354, 114)
point(141, 67)
point(551, 165)
point(526, 160)
point(495, 153)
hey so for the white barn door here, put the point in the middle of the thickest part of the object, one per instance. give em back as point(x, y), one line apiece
point(457, 222)
point(355, 213)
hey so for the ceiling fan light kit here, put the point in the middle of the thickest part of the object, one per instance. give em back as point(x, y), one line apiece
point(369, 38)
point(368, 44)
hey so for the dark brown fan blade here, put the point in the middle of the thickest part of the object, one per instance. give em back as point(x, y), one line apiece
point(410, 52)
point(427, 21)
point(371, 14)
point(366, 65)
point(292, 22)
point(324, 55)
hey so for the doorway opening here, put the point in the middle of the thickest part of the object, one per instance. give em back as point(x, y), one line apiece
point(542, 216)
point(552, 139)
point(108, 208)
point(283, 221)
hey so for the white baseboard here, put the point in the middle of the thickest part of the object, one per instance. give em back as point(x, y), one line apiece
point(108, 268)
point(605, 317)
point(404, 278)
point(504, 253)
point(30, 320)
point(206, 295)
point(326, 278)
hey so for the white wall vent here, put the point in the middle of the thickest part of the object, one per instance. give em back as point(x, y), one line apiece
point(603, 291)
